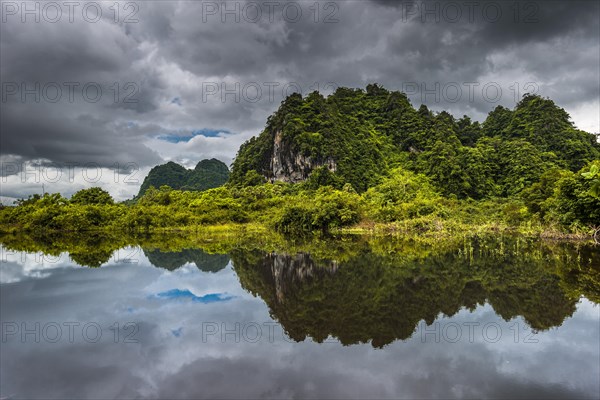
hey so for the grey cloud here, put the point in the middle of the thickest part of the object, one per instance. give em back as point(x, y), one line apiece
point(174, 49)
point(82, 140)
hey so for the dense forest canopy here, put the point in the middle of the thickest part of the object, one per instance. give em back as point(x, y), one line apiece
point(368, 133)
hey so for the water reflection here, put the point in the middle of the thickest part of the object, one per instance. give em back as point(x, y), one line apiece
point(358, 315)
point(95, 250)
point(381, 298)
point(172, 260)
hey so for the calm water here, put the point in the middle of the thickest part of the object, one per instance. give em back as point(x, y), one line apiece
point(357, 319)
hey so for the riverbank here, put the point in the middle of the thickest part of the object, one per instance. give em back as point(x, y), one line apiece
point(225, 237)
point(293, 211)
point(437, 229)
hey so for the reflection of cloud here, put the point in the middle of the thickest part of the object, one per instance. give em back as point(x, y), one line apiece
point(175, 294)
point(172, 361)
point(15, 266)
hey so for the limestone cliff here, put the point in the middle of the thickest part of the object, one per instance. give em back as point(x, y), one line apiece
point(293, 167)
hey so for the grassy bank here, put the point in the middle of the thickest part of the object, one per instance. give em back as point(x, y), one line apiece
point(403, 204)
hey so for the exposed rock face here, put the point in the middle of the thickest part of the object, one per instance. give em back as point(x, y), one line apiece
point(288, 167)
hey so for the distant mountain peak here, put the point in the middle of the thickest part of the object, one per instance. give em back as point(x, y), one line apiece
point(207, 174)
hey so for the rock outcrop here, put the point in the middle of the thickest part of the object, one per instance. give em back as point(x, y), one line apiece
point(293, 167)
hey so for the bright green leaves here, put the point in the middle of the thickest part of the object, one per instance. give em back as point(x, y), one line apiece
point(594, 175)
point(322, 210)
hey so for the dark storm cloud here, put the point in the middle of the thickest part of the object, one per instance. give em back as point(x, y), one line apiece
point(80, 140)
point(546, 42)
point(176, 48)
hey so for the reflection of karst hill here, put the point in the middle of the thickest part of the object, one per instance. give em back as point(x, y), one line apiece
point(173, 260)
point(288, 269)
point(383, 298)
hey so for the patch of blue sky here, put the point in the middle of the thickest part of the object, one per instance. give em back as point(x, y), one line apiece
point(174, 138)
point(176, 294)
point(177, 332)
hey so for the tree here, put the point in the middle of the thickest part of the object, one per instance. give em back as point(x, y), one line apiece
point(497, 121)
point(253, 178)
point(94, 195)
point(574, 203)
point(468, 132)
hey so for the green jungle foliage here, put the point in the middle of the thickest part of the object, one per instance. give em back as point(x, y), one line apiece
point(371, 132)
point(397, 169)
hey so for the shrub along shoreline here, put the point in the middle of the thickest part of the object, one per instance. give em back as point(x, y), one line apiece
point(561, 205)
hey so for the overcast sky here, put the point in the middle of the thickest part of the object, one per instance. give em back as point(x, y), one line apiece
point(185, 81)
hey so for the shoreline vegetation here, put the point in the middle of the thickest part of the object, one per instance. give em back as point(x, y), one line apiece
point(261, 233)
point(293, 211)
point(363, 162)
point(62, 217)
point(339, 245)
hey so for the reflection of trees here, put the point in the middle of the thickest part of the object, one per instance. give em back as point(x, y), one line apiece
point(542, 305)
point(175, 259)
point(91, 257)
point(383, 297)
point(94, 249)
point(85, 249)
point(585, 278)
point(377, 288)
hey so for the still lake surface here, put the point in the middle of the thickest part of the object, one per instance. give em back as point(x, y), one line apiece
point(347, 319)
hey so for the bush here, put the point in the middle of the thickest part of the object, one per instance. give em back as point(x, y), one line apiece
point(326, 210)
point(403, 195)
point(573, 203)
point(515, 212)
